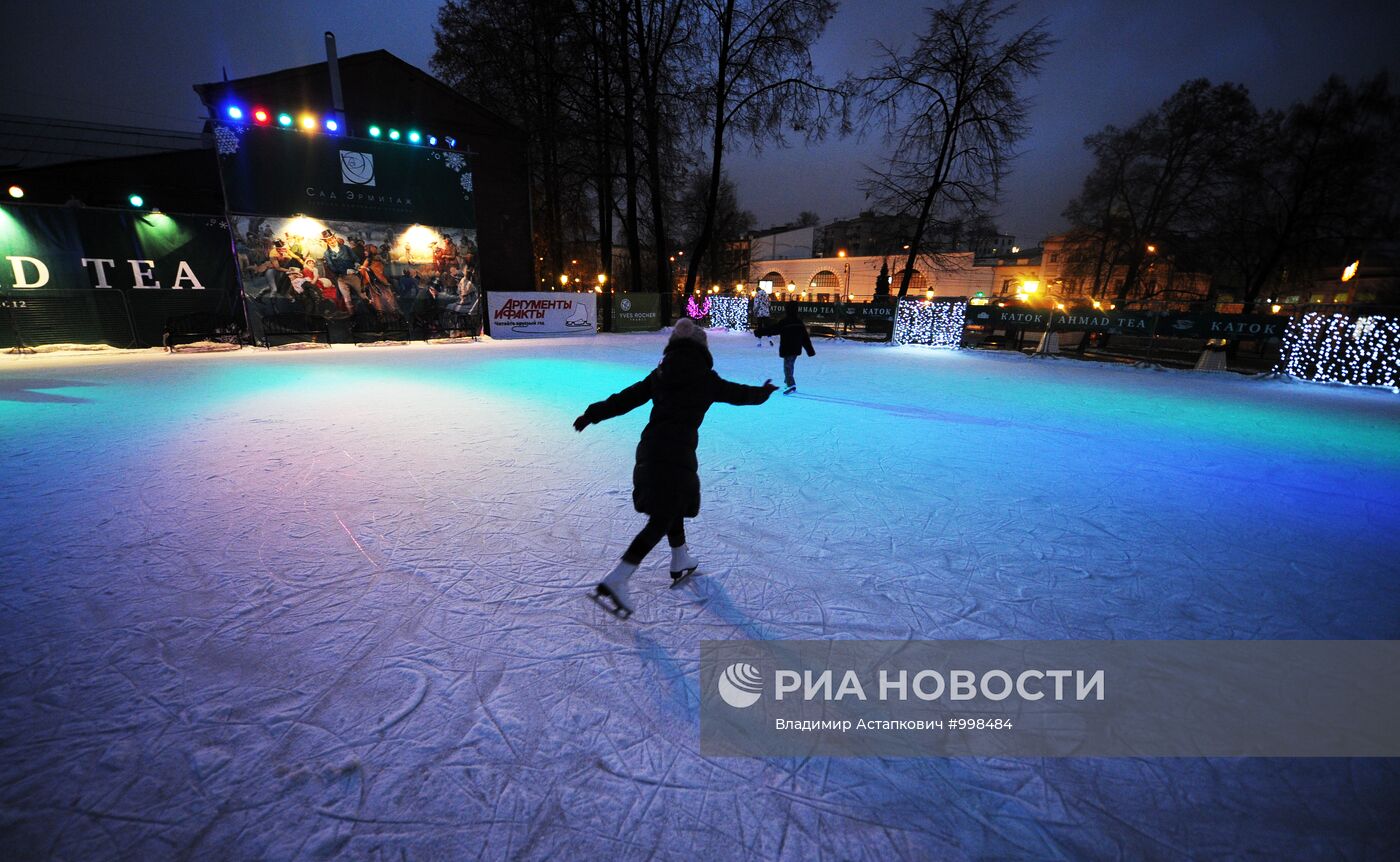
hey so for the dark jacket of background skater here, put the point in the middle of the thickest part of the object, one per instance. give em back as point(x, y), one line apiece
point(792, 340)
point(666, 479)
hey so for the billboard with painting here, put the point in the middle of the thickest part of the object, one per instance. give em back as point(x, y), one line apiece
point(409, 275)
point(379, 234)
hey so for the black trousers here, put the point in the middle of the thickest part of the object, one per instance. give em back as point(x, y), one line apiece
point(671, 526)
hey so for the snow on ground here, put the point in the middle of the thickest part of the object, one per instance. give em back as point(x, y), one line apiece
point(300, 605)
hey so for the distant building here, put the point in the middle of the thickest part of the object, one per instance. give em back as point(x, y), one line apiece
point(782, 243)
point(881, 234)
point(181, 174)
point(1074, 274)
point(1021, 271)
point(824, 279)
point(1373, 285)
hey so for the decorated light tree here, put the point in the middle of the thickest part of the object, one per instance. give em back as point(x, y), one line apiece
point(696, 310)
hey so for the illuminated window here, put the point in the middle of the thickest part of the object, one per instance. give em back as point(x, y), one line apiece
point(917, 283)
point(826, 282)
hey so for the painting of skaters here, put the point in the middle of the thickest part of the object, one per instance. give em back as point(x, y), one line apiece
point(375, 276)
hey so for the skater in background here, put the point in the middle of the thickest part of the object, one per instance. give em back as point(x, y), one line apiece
point(792, 340)
point(666, 480)
point(761, 312)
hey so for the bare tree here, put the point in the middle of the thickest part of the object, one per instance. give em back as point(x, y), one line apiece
point(1095, 240)
point(759, 82)
point(1157, 177)
point(728, 223)
point(1317, 183)
point(950, 110)
point(660, 33)
point(511, 58)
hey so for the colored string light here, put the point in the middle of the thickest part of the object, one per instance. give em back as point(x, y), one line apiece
point(696, 311)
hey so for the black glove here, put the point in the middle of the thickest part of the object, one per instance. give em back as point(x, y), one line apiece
point(581, 423)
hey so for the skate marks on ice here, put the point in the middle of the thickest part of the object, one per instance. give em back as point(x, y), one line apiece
point(911, 411)
point(385, 655)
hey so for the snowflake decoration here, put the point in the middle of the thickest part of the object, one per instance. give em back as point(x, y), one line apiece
point(226, 140)
point(467, 183)
point(455, 161)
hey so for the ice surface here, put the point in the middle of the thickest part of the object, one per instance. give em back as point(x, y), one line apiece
point(331, 603)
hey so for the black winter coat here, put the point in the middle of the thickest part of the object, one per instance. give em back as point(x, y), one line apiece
point(666, 480)
point(792, 336)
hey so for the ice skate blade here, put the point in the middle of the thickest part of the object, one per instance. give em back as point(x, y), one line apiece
point(678, 578)
point(604, 598)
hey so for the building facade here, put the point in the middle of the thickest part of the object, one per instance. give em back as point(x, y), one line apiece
point(854, 278)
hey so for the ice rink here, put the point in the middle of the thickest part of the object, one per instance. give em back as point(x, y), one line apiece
point(331, 603)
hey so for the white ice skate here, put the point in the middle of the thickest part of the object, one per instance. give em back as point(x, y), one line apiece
point(683, 565)
point(611, 594)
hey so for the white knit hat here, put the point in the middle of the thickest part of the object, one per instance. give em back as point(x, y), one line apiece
point(687, 328)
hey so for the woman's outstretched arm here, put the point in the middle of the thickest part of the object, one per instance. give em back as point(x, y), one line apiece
point(631, 398)
point(730, 392)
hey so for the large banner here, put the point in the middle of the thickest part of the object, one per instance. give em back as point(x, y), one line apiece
point(288, 172)
point(412, 278)
point(378, 234)
point(636, 312)
point(547, 315)
point(1143, 323)
point(84, 275)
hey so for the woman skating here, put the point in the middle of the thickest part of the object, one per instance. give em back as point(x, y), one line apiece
point(792, 340)
point(666, 480)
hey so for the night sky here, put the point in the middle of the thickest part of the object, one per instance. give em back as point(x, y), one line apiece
point(134, 63)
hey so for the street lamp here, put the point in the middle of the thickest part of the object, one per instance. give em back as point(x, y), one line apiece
point(564, 280)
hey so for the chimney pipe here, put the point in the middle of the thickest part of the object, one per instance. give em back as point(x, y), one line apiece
point(333, 63)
